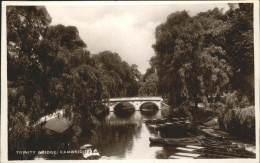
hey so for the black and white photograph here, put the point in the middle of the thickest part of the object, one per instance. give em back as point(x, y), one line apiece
point(124, 80)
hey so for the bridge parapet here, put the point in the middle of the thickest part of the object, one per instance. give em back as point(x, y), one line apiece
point(137, 102)
point(136, 99)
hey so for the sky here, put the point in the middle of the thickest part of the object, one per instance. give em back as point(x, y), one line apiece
point(128, 30)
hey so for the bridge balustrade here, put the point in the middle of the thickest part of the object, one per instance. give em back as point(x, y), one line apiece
point(137, 102)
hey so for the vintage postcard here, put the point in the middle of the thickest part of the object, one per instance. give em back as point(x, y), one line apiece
point(130, 80)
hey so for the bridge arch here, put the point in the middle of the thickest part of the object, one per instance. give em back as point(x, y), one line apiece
point(154, 105)
point(137, 102)
point(127, 106)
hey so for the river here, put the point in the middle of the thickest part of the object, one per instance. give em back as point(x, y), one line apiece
point(121, 136)
point(127, 137)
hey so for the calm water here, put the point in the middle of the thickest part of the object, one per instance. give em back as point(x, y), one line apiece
point(120, 137)
point(126, 136)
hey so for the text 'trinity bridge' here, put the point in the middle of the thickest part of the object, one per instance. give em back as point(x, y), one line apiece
point(137, 102)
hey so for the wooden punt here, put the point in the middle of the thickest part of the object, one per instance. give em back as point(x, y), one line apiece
point(157, 140)
point(188, 154)
point(179, 157)
point(186, 149)
point(174, 141)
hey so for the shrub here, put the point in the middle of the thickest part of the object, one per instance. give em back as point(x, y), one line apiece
point(236, 117)
point(246, 118)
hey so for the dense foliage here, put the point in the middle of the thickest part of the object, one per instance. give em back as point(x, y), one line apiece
point(209, 56)
point(149, 83)
point(236, 117)
point(203, 56)
point(49, 69)
point(123, 79)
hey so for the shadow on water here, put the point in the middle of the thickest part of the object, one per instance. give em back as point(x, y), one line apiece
point(149, 109)
point(114, 138)
point(174, 133)
point(117, 137)
point(124, 110)
point(124, 113)
point(123, 135)
point(120, 135)
point(149, 113)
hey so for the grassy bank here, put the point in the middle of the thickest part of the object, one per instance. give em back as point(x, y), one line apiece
point(233, 114)
point(239, 122)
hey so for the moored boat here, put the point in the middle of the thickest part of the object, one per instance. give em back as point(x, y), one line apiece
point(157, 140)
point(174, 141)
point(89, 153)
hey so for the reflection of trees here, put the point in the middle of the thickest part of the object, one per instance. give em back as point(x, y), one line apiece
point(153, 115)
point(115, 139)
point(124, 113)
point(149, 114)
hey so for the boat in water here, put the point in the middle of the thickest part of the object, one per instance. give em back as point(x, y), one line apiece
point(90, 153)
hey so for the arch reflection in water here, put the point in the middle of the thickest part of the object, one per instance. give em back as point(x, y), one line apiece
point(124, 109)
point(149, 109)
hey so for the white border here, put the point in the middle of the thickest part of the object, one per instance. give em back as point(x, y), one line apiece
point(4, 96)
point(257, 74)
point(3, 149)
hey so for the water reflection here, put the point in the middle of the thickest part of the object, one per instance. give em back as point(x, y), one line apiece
point(126, 136)
point(149, 113)
point(121, 135)
point(114, 139)
point(124, 113)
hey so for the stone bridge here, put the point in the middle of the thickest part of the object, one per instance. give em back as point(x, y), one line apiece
point(137, 102)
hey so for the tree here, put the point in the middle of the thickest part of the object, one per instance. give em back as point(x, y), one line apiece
point(240, 47)
point(149, 83)
point(135, 72)
point(187, 65)
point(48, 69)
point(125, 78)
point(25, 27)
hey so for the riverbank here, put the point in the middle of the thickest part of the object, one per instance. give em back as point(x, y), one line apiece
point(214, 142)
point(129, 133)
